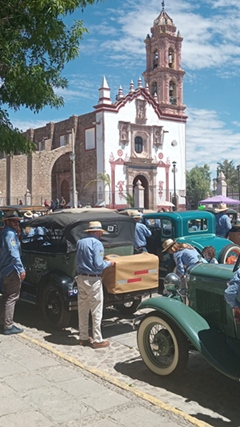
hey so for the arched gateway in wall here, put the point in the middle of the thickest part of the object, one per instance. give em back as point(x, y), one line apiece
point(61, 178)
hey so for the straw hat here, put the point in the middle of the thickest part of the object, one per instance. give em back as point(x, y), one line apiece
point(28, 215)
point(222, 207)
point(11, 216)
point(167, 244)
point(137, 215)
point(95, 226)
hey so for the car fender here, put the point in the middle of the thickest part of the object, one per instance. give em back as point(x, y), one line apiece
point(186, 319)
point(211, 343)
point(66, 284)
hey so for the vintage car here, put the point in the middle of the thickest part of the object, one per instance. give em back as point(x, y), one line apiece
point(167, 333)
point(48, 246)
point(197, 228)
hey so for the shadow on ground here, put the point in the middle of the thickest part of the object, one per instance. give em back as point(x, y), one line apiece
point(198, 383)
point(113, 324)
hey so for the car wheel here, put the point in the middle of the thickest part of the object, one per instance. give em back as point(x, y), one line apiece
point(129, 307)
point(229, 254)
point(53, 309)
point(163, 347)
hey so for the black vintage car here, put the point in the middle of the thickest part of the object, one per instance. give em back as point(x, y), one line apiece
point(49, 255)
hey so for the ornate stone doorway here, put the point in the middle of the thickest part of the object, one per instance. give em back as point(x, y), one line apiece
point(145, 184)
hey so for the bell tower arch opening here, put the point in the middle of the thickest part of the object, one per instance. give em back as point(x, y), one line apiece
point(172, 93)
point(170, 58)
point(155, 58)
point(154, 88)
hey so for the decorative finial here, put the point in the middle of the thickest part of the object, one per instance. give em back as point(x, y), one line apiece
point(131, 89)
point(163, 5)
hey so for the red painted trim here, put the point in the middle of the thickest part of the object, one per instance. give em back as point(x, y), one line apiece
point(131, 96)
point(141, 272)
point(138, 279)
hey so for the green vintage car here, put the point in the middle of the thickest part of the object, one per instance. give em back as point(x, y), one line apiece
point(206, 324)
point(48, 246)
point(197, 228)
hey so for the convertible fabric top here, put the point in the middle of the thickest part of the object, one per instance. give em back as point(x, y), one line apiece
point(120, 228)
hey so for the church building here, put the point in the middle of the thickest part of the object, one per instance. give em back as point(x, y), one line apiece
point(136, 141)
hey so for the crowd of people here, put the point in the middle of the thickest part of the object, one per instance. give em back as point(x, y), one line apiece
point(90, 265)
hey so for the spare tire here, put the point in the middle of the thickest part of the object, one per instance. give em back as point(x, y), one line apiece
point(229, 254)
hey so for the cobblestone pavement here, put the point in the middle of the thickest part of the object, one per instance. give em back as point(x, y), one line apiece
point(201, 391)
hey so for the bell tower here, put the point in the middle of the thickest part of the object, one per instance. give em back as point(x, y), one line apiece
point(164, 74)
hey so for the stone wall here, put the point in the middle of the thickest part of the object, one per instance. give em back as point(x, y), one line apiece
point(44, 173)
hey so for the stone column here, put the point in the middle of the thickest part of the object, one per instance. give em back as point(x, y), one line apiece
point(221, 185)
point(28, 198)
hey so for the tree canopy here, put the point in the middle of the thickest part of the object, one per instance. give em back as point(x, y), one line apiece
point(35, 45)
point(198, 182)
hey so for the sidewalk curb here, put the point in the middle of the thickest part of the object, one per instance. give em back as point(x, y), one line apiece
point(124, 386)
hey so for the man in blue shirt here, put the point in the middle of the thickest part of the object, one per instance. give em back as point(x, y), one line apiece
point(223, 222)
point(231, 295)
point(141, 232)
point(12, 272)
point(90, 265)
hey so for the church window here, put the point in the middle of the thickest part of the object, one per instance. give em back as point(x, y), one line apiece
point(41, 145)
point(64, 139)
point(170, 58)
point(138, 144)
point(155, 59)
point(90, 143)
point(153, 88)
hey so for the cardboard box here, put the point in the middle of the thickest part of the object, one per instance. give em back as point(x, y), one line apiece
point(131, 273)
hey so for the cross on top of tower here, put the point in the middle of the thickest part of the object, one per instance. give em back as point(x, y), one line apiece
point(163, 4)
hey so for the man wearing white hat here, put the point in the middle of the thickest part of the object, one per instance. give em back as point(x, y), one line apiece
point(28, 215)
point(90, 265)
point(12, 272)
point(223, 222)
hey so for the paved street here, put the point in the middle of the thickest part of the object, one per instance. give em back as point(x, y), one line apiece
point(201, 395)
point(37, 388)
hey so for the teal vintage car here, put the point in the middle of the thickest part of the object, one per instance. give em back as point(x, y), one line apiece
point(206, 324)
point(197, 228)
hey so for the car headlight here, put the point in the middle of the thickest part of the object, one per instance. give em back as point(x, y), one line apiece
point(72, 289)
point(171, 282)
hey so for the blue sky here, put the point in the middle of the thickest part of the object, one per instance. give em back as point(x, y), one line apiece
point(115, 48)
